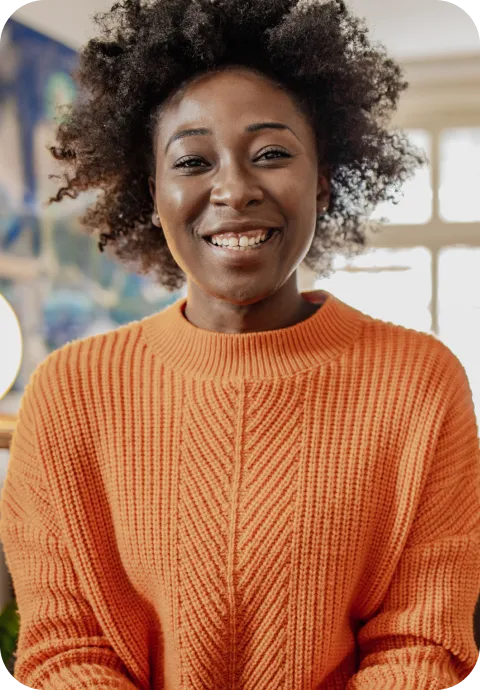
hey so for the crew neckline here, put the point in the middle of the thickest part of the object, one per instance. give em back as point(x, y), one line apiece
point(200, 353)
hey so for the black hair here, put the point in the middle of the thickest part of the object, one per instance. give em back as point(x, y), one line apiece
point(149, 51)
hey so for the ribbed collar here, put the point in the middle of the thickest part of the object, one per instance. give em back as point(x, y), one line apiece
point(200, 353)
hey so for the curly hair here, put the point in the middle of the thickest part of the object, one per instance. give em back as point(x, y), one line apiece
point(150, 51)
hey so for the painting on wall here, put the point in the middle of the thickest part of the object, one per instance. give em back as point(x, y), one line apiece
point(59, 284)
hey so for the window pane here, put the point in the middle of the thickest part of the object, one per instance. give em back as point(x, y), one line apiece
point(390, 284)
point(415, 207)
point(459, 196)
point(459, 309)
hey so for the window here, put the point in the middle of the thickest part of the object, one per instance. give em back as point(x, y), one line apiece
point(459, 309)
point(415, 207)
point(390, 284)
point(459, 193)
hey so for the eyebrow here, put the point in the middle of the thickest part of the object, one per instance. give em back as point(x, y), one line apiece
point(255, 127)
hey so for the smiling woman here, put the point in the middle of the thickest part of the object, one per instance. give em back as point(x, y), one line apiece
point(232, 178)
point(255, 488)
point(315, 61)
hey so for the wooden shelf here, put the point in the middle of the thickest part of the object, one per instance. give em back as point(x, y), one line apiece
point(7, 427)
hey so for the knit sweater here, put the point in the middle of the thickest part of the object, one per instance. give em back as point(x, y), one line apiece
point(293, 509)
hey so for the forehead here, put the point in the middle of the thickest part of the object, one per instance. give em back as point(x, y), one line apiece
point(230, 98)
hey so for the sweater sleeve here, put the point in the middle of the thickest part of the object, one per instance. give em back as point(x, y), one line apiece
point(422, 636)
point(60, 645)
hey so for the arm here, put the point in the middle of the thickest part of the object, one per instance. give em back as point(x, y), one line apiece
point(61, 645)
point(422, 636)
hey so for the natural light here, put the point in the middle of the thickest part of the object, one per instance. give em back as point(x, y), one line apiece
point(416, 205)
point(460, 175)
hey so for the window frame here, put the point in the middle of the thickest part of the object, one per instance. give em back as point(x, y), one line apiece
point(442, 94)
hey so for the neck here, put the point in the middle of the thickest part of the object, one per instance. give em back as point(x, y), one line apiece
point(285, 307)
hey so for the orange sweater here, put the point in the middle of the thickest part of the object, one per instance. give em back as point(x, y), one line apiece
point(296, 509)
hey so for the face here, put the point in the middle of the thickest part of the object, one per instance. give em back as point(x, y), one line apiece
point(267, 175)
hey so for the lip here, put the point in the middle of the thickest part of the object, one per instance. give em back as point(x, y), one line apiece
point(249, 255)
point(239, 226)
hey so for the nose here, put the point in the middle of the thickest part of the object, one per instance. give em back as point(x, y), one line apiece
point(236, 187)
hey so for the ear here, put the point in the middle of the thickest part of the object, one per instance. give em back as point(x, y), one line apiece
point(323, 189)
point(152, 187)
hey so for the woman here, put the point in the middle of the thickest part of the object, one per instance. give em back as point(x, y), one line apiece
point(256, 487)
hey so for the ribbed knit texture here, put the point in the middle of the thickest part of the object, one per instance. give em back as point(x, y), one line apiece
point(296, 509)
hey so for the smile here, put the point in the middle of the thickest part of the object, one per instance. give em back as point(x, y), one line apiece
point(240, 251)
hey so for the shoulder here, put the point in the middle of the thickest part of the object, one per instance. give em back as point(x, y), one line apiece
point(77, 365)
point(415, 355)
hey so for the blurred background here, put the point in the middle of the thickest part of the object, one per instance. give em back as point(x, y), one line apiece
point(422, 271)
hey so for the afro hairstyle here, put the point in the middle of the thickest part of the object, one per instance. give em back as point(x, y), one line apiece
point(148, 51)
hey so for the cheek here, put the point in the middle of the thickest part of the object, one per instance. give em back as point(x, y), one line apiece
point(300, 210)
point(297, 191)
point(172, 200)
point(180, 247)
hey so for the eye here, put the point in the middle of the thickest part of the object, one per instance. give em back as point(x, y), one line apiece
point(183, 162)
point(281, 152)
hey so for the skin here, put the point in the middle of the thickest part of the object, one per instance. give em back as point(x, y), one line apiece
point(231, 178)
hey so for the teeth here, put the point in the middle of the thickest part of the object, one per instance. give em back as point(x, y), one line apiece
point(239, 242)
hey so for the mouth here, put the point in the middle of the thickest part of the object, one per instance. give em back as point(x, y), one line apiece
point(238, 250)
